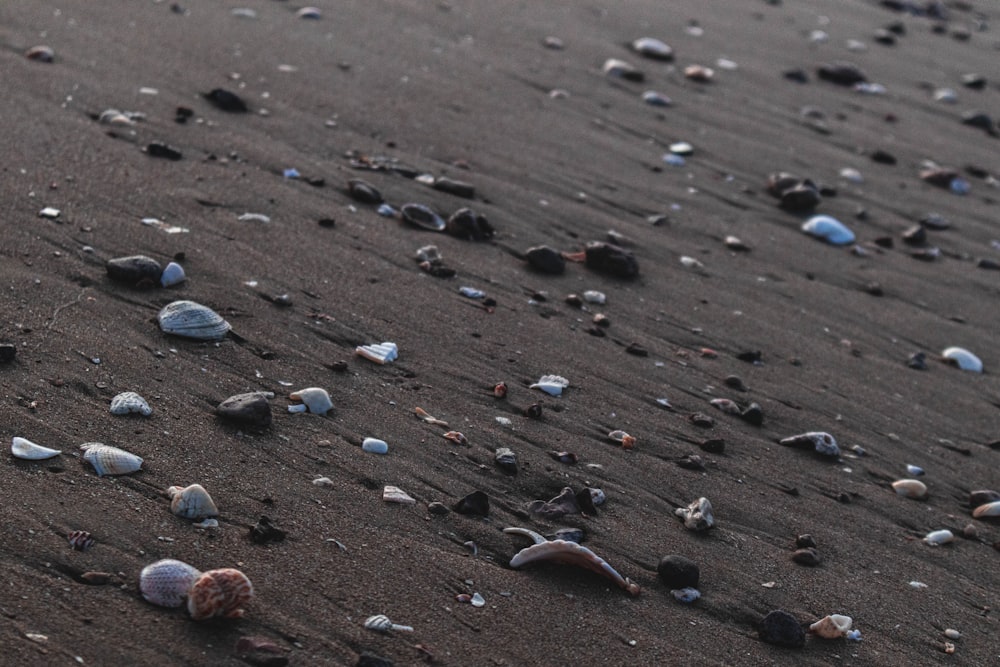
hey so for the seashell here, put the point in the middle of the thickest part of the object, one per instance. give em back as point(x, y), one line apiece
point(173, 274)
point(963, 359)
point(250, 408)
point(506, 460)
point(313, 399)
point(681, 148)
point(380, 353)
point(422, 415)
point(477, 600)
point(192, 320)
point(829, 229)
point(41, 53)
point(544, 259)
point(472, 292)
point(375, 446)
point(309, 13)
point(982, 496)
point(166, 582)
point(324, 482)
point(381, 623)
point(654, 49)
point(916, 471)
point(206, 523)
point(686, 595)
point(467, 224)
point(627, 441)
point(726, 405)
point(697, 516)
point(221, 592)
point(699, 73)
point(456, 437)
point(988, 510)
point(551, 384)
point(108, 460)
point(22, 448)
point(500, 390)
point(128, 402)
point(191, 502)
point(418, 215)
point(822, 443)
point(833, 626)
point(253, 217)
point(911, 488)
point(938, 537)
point(622, 70)
point(134, 270)
point(951, 633)
point(593, 296)
point(394, 494)
point(80, 540)
point(428, 253)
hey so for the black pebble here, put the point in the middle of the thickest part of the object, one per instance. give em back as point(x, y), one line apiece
point(611, 259)
point(364, 192)
point(752, 356)
point(134, 270)
point(7, 352)
point(805, 541)
point(917, 361)
point(469, 225)
point(437, 508)
point(546, 260)
point(796, 75)
point(252, 408)
point(974, 81)
point(476, 503)
point(368, 659)
point(841, 73)
point(808, 556)
point(882, 157)
point(534, 411)
point(804, 196)
point(225, 100)
point(265, 532)
point(586, 502)
point(781, 628)
point(678, 572)
point(753, 414)
point(637, 350)
point(160, 149)
point(713, 445)
point(453, 187)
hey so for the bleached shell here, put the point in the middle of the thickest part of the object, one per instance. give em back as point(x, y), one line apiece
point(963, 359)
point(166, 582)
point(394, 494)
point(380, 353)
point(551, 384)
point(108, 460)
point(686, 595)
point(22, 448)
point(192, 320)
point(911, 488)
point(128, 402)
point(191, 502)
point(822, 443)
point(619, 68)
point(829, 229)
point(988, 510)
point(222, 592)
point(375, 446)
point(833, 626)
point(314, 399)
point(565, 551)
point(726, 405)
point(698, 515)
point(173, 274)
point(939, 537)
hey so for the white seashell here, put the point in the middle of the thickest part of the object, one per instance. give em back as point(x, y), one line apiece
point(324, 481)
point(939, 537)
point(987, 510)
point(916, 471)
point(833, 626)
point(918, 585)
point(394, 494)
point(375, 446)
point(681, 148)
point(505, 421)
point(206, 523)
point(692, 263)
point(191, 502)
point(829, 229)
point(49, 213)
point(593, 296)
point(652, 48)
point(173, 274)
point(551, 384)
point(380, 353)
point(911, 488)
point(951, 633)
point(963, 359)
point(471, 292)
point(627, 441)
point(313, 399)
point(128, 402)
point(22, 448)
point(167, 582)
point(822, 443)
point(253, 217)
point(851, 174)
point(620, 68)
point(687, 595)
point(381, 623)
point(697, 516)
point(192, 320)
point(656, 99)
point(108, 460)
point(309, 13)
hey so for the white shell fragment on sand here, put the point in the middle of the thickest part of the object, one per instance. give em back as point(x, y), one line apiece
point(963, 359)
point(686, 595)
point(551, 384)
point(381, 623)
point(312, 399)
point(128, 402)
point(619, 68)
point(823, 443)
point(166, 582)
point(108, 460)
point(375, 446)
point(697, 516)
point(394, 494)
point(192, 320)
point(987, 510)
point(829, 229)
point(380, 353)
point(833, 626)
point(938, 537)
point(911, 488)
point(22, 448)
point(173, 274)
point(191, 502)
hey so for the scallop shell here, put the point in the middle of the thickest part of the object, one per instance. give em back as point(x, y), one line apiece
point(911, 488)
point(551, 384)
point(221, 592)
point(829, 229)
point(988, 510)
point(22, 448)
point(697, 516)
point(833, 626)
point(192, 320)
point(173, 274)
point(375, 446)
point(108, 460)
point(166, 582)
point(380, 353)
point(938, 537)
point(191, 502)
point(313, 399)
point(128, 402)
point(963, 359)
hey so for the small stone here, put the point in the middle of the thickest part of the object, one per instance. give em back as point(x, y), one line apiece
point(545, 260)
point(8, 351)
point(440, 509)
point(805, 541)
point(476, 503)
point(162, 150)
point(41, 54)
point(362, 191)
point(453, 187)
point(841, 73)
point(611, 259)
point(226, 101)
point(620, 69)
point(808, 556)
point(782, 629)
point(952, 634)
point(735, 382)
point(753, 414)
point(250, 408)
point(713, 445)
point(701, 419)
point(265, 532)
point(678, 572)
point(915, 236)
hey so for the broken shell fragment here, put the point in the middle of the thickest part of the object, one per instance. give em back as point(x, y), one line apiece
point(108, 460)
point(222, 592)
point(423, 415)
point(380, 353)
point(551, 384)
point(312, 399)
point(129, 402)
point(991, 510)
point(506, 460)
point(697, 516)
point(964, 359)
point(833, 626)
point(394, 494)
point(22, 448)
point(375, 446)
point(381, 623)
point(938, 537)
point(192, 320)
point(500, 390)
point(191, 502)
point(166, 582)
point(686, 595)
point(627, 441)
point(456, 437)
point(250, 408)
point(911, 488)
point(726, 405)
point(822, 443)
point(622, 70)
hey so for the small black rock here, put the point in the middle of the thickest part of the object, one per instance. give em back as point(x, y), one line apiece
point(782, 629)
point(804, 196)
point(136, 270)
point(805, 541)
point(476, 503)
point(713, 445)
point(611, 259)
point(369, 659)
point(546, 260)
point(917, 361)
point(751, 356)
point(841, 73)
point(265, 532)
point(469, 225)
point(453, 187)
point(753, 414)
point(251, 408)
point(807, 556)
point(534, 411)
point(678, 572)
point(915, 236)
point(160, 149)
point(883, 157)
point(7, 352)
point(225, 100)
point(362, 191)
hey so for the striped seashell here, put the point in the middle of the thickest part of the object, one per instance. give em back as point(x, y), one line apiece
point(191, 502)
point(22, 448)
point(380, 353)
point(166, 582)
point(192, 320)
point(221, 592)
point(129, 402)
point(312, 399)
point(80, 540)
point(108, 460)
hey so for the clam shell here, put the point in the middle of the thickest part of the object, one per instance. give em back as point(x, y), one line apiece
point(192, 320)
point(911, 488)
point(833, 626)
point(652, 48)
point(134, 269)
point(829, 229)
point(988, 510)
point(939, 537)
point(191, 502)
point(551, 384)
point(423, 217)
point(313, 399)
point(221, 592)
point(128, 402)
point(173, 274)
point(166, 582)
point(250, 408)
point(963, 359)
point(22, 448)
point(375, 446)
point(380, 353)
point(108, 460)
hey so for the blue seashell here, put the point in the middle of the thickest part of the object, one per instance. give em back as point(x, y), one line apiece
point(828, 229)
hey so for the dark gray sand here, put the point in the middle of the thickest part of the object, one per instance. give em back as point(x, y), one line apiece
point(462, 90)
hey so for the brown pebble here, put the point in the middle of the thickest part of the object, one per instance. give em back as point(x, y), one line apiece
point(713, 445)
point(735, 382)
point(96, 578)
point(437, 508)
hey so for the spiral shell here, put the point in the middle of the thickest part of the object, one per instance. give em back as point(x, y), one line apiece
point(166, 582)
point(192, 320)
point(109, 460)
point(192, 502)
point(22, 448)
point(221, 592)
point(128, 402)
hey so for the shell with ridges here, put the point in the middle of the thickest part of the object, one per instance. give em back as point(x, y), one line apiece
point(551, 384)
point(166, 582)
point(108, 460)
point(380, 353)
point(192, 320)
point(22, 448)
point(80, 540)
point(128, 402)
point(191, 502)
point(221, 592)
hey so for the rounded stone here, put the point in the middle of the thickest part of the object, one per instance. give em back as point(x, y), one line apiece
point(678, 572)
point(782, 629)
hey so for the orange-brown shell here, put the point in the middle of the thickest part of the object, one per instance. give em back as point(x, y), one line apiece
point(221, 592)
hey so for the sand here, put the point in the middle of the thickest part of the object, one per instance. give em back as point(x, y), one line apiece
point(462, 89)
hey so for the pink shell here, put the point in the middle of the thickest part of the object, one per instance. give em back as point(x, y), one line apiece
point(219, 593)
point(166, 582)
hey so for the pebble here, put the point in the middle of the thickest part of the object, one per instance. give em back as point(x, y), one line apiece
point(808, 556)
point(655, 99)
point(375, 446)
point(677, 571)
point(652, 48)
point(611, 259)
point(250, 408)
point(476, 503)
point(265, 531)
point(782, 629)
point(545, 260)
point(41, 54)
point(226, 100)
point(620, 69)
point(841, 73)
